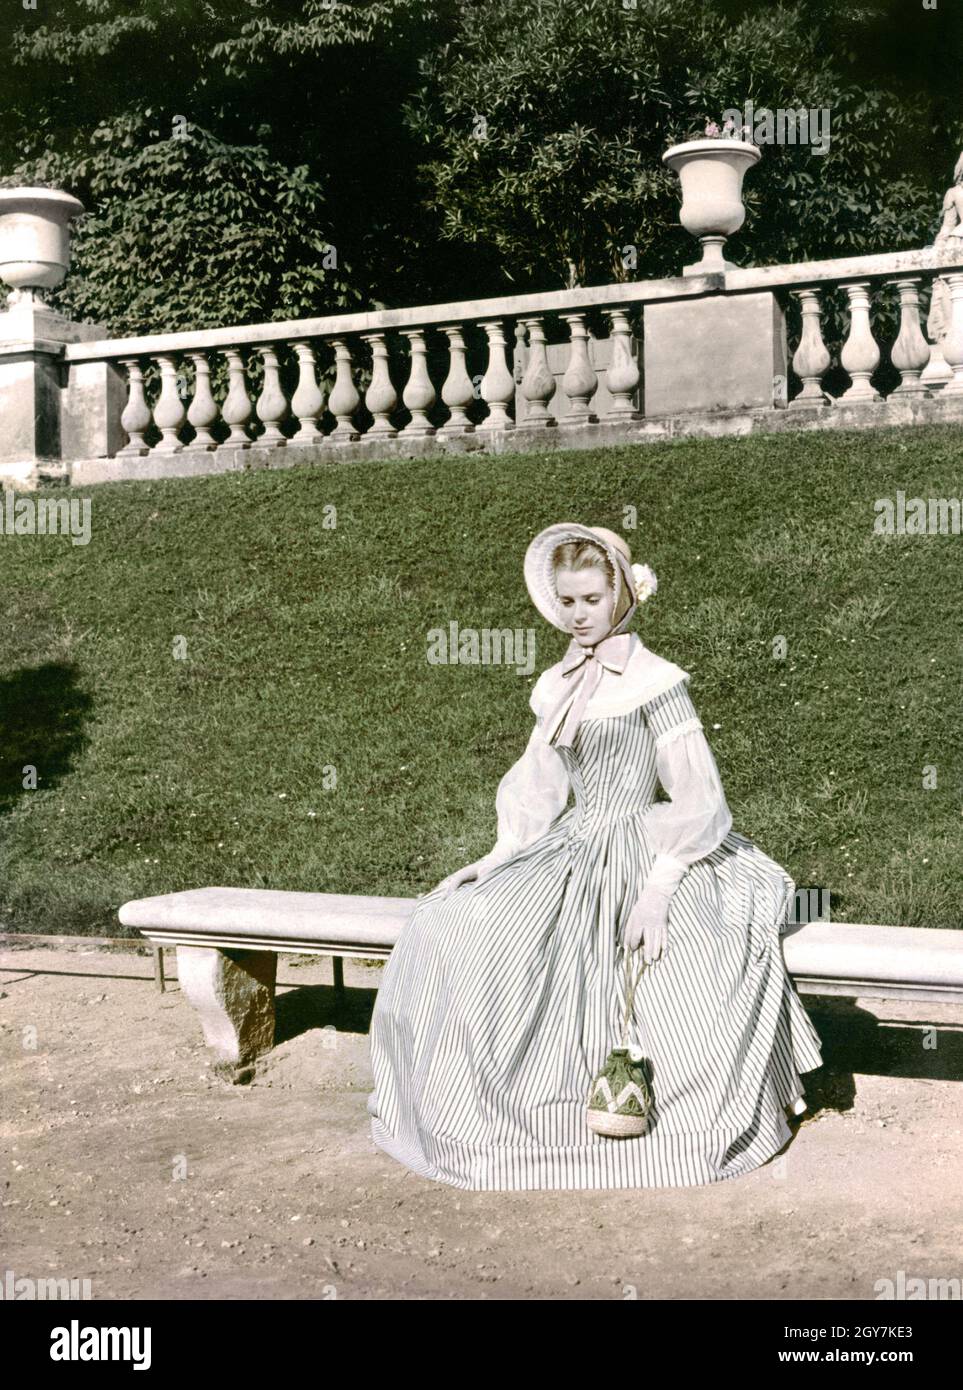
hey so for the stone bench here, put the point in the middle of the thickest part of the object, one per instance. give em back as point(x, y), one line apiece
point(228, 941)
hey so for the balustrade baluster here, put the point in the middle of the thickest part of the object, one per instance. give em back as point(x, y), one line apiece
point(458, 391)
point(169, 412)
point(236, 410)
point(911, 351)
point(538, 383)
point(623, 376)
point(272, 405)
point(135, 417)
point(580, 381)
point(381, 398)
point(202, 412)
point(811, 359)
point(419, 394)
point(936, 373)
point(860, 354)
point(345, 397)
point(953, 342)
point(307, 403)
point(520, 354)
point(498, 384)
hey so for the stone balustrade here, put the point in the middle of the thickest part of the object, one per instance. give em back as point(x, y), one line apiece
point(924, 368)
point(610, 363)
point(327, 405)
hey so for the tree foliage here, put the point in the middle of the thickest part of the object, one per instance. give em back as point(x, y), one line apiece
point(189, 232)
point(545, 128)
point(293, 147)
point(447, 149)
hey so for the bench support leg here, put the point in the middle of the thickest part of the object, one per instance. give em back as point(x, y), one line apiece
point(233, 991)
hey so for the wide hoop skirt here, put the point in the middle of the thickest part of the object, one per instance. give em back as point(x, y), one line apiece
point(501, 1001)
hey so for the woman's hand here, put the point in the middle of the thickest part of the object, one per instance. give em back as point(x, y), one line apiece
point(648, 924)
point(466, 875)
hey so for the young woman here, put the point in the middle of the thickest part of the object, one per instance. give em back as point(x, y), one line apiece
point(506, 989)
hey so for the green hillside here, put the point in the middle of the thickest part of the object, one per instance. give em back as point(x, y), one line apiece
point(167, 763)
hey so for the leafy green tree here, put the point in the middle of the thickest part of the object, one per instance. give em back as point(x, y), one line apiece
point(224, 151)
point(343, 155)
point(188, 232)
point(544, 131)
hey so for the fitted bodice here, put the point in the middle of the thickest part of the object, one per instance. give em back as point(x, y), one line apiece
point(611, 766)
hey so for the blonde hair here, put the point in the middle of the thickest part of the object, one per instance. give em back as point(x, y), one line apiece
point(583, 555)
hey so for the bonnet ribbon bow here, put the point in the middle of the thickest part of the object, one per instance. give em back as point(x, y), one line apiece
point(581, 672)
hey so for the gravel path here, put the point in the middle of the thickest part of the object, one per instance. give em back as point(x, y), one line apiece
point(126, 1162)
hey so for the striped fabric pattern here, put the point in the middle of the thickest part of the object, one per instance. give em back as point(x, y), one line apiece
point(671, 714)
point(500, 1002)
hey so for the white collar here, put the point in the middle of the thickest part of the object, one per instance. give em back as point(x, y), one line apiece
point(646, 675)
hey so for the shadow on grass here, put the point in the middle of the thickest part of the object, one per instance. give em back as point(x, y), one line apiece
point(42, 713)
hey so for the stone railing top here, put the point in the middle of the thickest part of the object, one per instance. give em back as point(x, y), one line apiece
point(843, 268)
point(521, 306)
point(454, 315)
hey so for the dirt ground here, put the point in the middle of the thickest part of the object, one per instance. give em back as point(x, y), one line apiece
point(127, 1162)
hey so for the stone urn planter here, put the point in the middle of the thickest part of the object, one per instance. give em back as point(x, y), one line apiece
point(35, 237)
point(711, 173)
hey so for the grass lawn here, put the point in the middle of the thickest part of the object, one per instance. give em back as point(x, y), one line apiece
point(222, 688)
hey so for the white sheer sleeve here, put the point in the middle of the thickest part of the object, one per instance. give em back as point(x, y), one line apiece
point(530, 797)
point(697, 818)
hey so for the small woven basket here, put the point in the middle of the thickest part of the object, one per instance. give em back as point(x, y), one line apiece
point(620, 1099)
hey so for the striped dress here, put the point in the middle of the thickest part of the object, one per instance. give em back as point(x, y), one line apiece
point(501, 1001)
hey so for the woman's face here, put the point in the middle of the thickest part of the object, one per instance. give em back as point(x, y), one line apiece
point(586, 602)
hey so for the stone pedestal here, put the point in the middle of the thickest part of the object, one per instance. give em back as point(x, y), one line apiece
point(48, 413)
point(722, 353)
point(233, 991)
point(29, 411)
point(92, 401)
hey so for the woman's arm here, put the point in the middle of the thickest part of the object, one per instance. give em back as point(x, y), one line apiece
point(531, 796)
point(696, 819)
